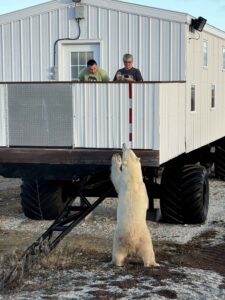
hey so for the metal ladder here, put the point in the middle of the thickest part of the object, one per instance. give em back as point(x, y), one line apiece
point(70, 217)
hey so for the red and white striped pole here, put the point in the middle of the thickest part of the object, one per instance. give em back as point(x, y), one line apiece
point(130, 115)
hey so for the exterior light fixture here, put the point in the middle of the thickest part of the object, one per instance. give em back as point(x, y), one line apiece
point(76, 1)
point(197, 24)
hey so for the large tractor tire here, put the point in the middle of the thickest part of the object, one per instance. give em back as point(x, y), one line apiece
point(220, 161)
point(184, 194)
point(41, 199)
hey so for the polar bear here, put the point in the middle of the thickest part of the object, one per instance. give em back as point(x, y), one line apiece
point(131, 236)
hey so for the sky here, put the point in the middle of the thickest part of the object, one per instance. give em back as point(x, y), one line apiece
point(212, 10)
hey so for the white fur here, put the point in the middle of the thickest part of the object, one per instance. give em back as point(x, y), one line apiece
point(131, 235)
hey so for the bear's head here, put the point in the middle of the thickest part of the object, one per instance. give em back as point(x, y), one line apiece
point(131, 165)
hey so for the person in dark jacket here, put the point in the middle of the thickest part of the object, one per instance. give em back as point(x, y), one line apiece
point(128, 73)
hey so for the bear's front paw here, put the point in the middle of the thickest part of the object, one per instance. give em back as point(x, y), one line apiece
point(117, 160)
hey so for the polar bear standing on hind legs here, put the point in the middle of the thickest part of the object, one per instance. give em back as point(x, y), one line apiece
point(131, 236)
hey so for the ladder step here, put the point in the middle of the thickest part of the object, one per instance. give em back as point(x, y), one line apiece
point(77, 208)
point(59, 228)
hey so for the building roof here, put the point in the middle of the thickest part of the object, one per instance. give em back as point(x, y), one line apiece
point(108, 4)
point(117, 5)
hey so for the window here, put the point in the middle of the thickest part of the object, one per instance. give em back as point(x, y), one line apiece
point(223, 58)
point(193, 98)
point(213, 95)
point(205, 53)
point(78, 62)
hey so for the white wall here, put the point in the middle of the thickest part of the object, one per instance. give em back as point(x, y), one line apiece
point(146, 118)
point(206, 124)
point(155, 38)
point(98, 114)
point(172, 120)
point(101, 115)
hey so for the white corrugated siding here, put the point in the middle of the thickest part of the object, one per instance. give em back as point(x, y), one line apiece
point(172, 120)
point(145, 106)
point(158, 46)
point(3, 115)
point(101, 115)
point(206, 124)
point(26, 43)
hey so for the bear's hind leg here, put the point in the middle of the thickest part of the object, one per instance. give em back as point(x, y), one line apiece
point(147, 254)
point(119, 253)
point(119, 258)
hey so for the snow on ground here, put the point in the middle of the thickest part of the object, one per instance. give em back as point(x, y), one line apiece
point(93, 277)
point(192, 284)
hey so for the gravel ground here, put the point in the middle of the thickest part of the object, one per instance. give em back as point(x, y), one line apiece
point(191, 258)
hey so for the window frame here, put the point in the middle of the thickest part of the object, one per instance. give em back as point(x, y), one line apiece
point(223, 54)
point(213, 96)
point(193, 100)
point(205, 54)
point(79, 66)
